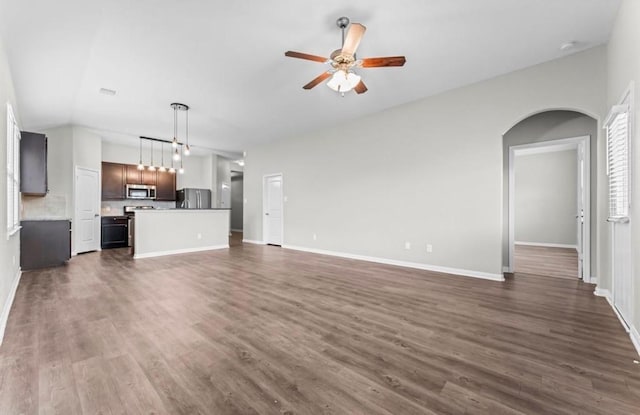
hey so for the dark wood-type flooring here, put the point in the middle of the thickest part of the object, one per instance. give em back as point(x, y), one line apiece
point(264, 330)
point(547, 261)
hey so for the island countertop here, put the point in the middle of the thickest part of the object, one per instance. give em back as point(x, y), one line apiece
point(160, 232)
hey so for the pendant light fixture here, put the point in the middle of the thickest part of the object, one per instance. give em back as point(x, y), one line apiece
point(151, 166)
point(187, 149)
point(174, 143)
point(181, 169)
point(140, 165)
point(172, 169)
point(162, 168)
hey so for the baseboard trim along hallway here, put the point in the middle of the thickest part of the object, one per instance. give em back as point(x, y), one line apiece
point(179, 251)
point(7, 305)
point(633, 333)
point(406, 264)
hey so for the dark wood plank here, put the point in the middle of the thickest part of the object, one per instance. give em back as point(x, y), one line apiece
point(260, 330)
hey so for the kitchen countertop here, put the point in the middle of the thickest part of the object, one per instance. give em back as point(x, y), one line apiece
point(44, 219)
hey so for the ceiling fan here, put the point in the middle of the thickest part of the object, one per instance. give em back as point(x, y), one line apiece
point(343, 61)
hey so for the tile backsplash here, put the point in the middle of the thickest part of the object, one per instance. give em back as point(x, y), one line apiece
point(51, 206)
point(116, 207)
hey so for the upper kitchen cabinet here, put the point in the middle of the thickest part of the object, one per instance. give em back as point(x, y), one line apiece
point(33, 164)
point(135, 176)
point(148, 178)
point(113, 181)
point(166, 186)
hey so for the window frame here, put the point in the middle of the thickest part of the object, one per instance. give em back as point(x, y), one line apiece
point(626, 107)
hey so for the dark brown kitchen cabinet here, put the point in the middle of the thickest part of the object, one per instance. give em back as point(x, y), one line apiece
point(135, 176)
point(148, 177)
point(44, 243)
point(166, 186)
point(33, 164)
point(113, 181)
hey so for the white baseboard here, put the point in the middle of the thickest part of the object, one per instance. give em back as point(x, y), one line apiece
point(546, 245)
point(249, 241)
point(416, 265)
point(4, 318)
point(635, 339)
point(601, 292)
point(236, 230)
point(633, 333)
point(179, 251)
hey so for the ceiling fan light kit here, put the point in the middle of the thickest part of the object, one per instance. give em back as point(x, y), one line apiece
point(343, 61)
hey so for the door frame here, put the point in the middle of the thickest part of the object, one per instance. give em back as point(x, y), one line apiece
point(264, 206)
point(553, 145)
point(74, 251)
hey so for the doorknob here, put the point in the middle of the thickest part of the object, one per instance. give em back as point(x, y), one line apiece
point(267, 213)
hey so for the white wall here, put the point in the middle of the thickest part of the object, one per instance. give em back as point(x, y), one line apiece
point(545, 199)
point(623, 67)
point(344, 183)
point(58, 202)
point(9, 246)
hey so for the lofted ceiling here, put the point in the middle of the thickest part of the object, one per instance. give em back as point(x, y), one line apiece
point(226, 58)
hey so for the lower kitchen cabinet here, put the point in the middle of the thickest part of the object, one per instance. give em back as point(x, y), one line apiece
point(115, 232)
point(44, 243)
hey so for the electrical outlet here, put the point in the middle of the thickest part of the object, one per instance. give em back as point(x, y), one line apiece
point(407, 245)
point(315, 237)
point(199, 236)
point(429, 248)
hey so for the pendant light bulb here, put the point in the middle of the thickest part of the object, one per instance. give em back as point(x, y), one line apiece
point(181, 170)
point(151, 166)
point(140, 165)
point(174, 143)
point(187, 150)
point(172, 170)
point(176, 155)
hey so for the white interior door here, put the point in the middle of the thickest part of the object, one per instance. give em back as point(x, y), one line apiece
point(273, 210)
point(87, 229)
point(622, 283)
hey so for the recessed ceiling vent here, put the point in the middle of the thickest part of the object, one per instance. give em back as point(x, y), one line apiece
point(107, 91)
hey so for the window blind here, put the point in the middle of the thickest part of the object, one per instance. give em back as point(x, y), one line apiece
point(618, 164)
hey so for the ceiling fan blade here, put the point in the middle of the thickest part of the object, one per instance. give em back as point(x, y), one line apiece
point(354, 36)
point(361, 88)
point(382, 62)
point(306, 56)
point(317, 80)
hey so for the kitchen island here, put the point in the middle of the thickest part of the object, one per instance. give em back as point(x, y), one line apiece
point(159, 232)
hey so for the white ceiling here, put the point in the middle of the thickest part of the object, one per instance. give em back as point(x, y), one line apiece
point(226, 58)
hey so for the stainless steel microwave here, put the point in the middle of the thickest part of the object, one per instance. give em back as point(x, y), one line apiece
point(140, 191)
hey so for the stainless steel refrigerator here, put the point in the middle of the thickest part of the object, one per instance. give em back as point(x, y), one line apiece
point(193, 199)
